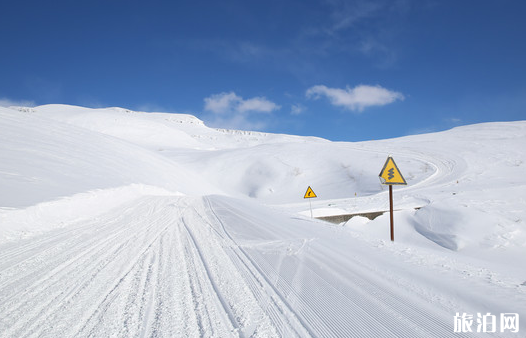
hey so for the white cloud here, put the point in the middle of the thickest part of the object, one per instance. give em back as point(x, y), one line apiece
point(357, 98)
point(4, 102)
point(232, 111)
point(257, 104)
point(222, 103)
point(232, 103)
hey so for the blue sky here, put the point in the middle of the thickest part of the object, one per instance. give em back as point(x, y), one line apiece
point(343, 70)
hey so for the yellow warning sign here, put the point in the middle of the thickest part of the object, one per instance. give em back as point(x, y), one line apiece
point(390, 173)
point(309, 193)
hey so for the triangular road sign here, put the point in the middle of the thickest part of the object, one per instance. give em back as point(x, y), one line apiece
point(390, 173)
point(309, 193)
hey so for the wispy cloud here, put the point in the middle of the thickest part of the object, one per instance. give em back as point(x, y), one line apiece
point(377, 48)
point(454, 120)
point(5, 102)
point(230, 110)
point(297, 109)
point(151, 107)
point(371, 28)
point(357, 98)
point(345, 14)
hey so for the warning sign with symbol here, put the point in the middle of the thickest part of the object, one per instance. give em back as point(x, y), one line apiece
point(390, 173)
point(309, 193)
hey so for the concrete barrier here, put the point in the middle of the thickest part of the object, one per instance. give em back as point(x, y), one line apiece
point(337, 219)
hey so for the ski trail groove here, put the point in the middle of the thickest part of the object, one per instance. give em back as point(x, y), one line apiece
point(285, 319)
point(199, 260)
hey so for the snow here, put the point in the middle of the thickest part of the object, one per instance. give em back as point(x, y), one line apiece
point(122, 223)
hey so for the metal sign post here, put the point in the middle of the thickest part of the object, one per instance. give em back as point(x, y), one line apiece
point(310, 194)
point(390, 175)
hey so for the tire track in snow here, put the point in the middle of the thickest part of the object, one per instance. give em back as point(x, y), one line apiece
point(88, 273)
point(205, 285)
point(235, 295)
point(282, 315)
point(133, 272)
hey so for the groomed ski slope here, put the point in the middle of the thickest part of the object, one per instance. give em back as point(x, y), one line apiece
point(106, 232)
point(210, 267)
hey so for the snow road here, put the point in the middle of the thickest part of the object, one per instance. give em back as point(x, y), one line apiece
point(207, 267)
point(135, 272)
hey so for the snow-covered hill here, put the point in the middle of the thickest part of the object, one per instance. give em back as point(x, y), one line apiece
point(115, 222)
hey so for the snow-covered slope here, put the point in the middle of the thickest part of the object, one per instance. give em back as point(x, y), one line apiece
point(114, 222)
point(473, 201)
point(43, 159)
point(52, 170)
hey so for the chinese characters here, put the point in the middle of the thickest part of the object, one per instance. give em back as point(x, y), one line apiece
point(508, 322)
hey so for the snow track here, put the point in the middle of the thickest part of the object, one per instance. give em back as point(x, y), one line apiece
point(166, 266)
point(151, 268)
point(133, 273)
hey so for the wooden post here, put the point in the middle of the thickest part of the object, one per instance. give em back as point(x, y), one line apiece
point(391, 211)
point(391, 175)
